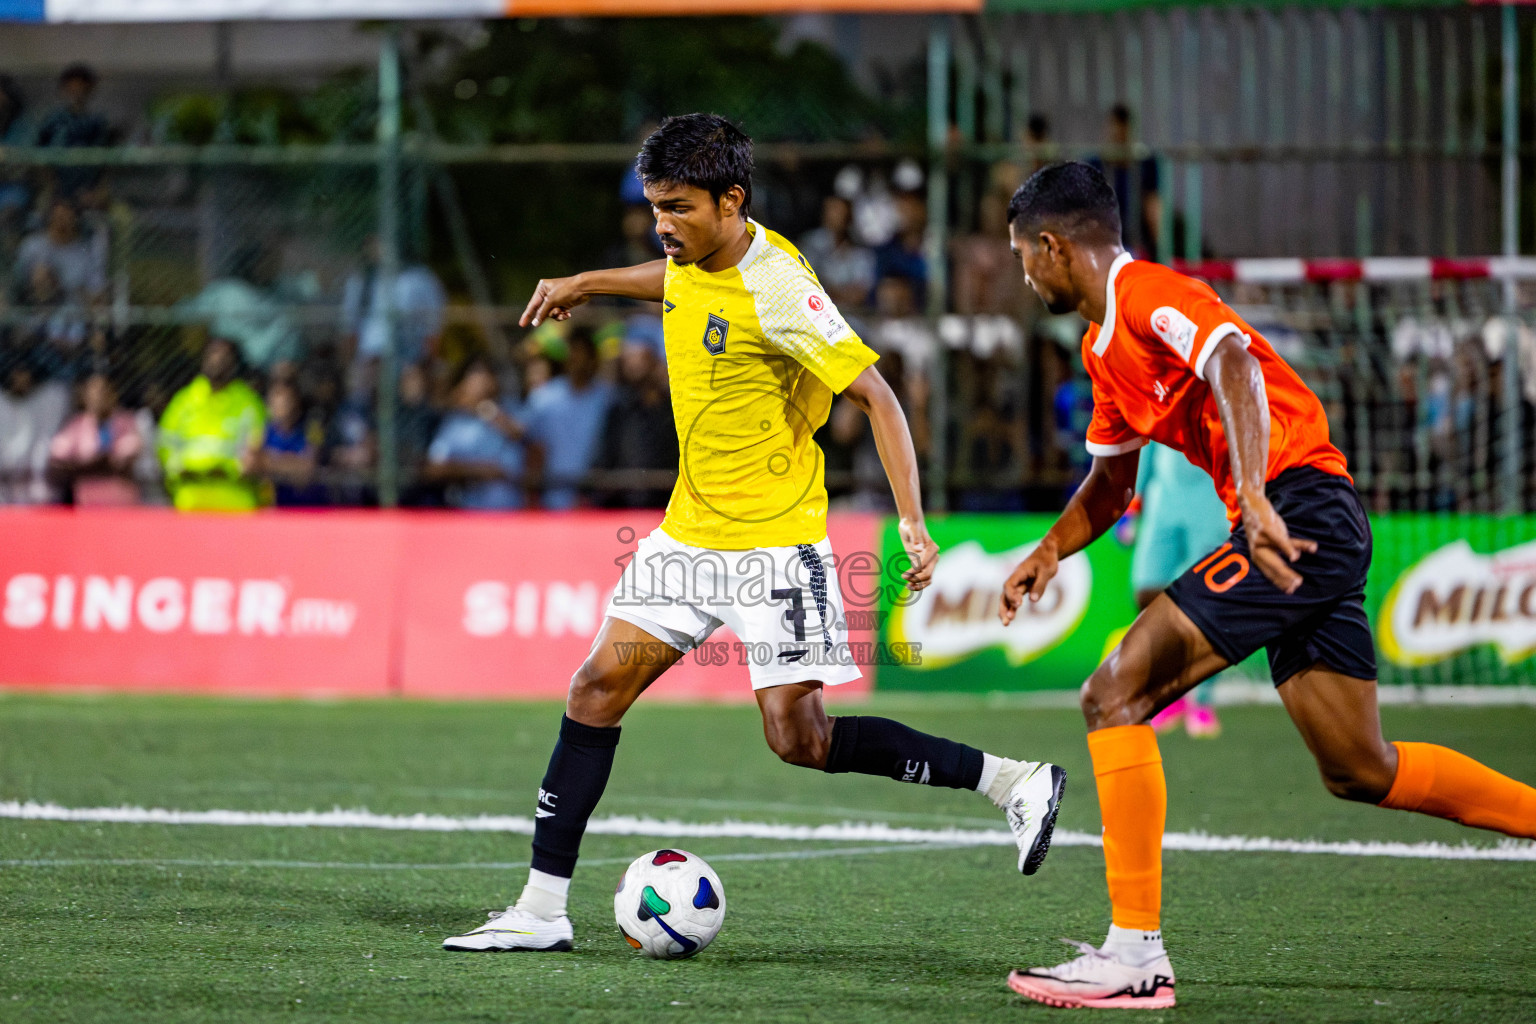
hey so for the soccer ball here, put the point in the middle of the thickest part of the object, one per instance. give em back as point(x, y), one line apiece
point(669, 904)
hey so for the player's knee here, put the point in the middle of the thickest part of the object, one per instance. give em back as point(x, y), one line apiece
point(585, 683)
point(1088, 700)
point(1106, 700)
point(795, 744)
point(593, 699)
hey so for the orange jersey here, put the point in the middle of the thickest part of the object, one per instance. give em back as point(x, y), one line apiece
point(1147, 363)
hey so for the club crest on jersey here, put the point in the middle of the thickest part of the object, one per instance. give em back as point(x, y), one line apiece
point(714, 334)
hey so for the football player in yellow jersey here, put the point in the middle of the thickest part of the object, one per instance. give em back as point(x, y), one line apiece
point(755, 352)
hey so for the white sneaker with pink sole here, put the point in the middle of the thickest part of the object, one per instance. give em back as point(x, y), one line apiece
point(1098, 979)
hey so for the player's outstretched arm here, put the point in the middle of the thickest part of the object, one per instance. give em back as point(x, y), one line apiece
point(874, 396)
point(1237, 382)
point(1098, 504)
point(557, 296)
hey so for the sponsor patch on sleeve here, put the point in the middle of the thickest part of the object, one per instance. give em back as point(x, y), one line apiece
point(1177, 330)
point(825, 317)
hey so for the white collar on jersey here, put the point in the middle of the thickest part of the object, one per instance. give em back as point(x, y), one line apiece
point(759, 243)
point(1107, 331)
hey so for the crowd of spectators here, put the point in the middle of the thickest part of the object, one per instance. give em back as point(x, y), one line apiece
point(248, 405)
point(234, 403)
point(255, 380)
point(597, 431)
point(52, 224)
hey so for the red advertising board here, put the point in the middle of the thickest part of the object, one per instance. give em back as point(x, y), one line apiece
point(344, 603)
point(144, 598)
point(509, 605)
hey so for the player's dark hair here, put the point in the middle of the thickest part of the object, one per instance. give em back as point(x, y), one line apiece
point(699, 150)
point(1070, 197)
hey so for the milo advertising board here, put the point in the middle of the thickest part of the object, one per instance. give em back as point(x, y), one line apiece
point(1053, 644)
point(1452, 600)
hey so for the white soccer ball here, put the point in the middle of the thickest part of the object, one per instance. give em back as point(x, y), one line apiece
point(669, 904)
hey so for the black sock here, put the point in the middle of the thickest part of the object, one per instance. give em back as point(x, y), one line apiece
point(573, 784)
point(879, 746)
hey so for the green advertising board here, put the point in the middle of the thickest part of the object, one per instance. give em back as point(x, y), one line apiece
point(1452, 601)
point(1051, 645)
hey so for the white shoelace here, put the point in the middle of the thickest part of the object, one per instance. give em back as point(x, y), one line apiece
point(497, 915)
point(1091, 956)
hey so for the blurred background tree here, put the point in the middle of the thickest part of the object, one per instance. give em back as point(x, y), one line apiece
point(557, 81)
point(589, 81)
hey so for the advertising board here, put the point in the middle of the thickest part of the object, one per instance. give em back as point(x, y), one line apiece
point(1452, 601)
point(339, 603)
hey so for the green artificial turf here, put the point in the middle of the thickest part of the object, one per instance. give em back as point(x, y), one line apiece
point(115, 922)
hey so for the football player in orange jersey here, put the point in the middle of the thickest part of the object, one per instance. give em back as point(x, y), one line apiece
point(1170, 362)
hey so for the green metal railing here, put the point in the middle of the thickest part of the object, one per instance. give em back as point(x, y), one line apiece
point(1410, 118)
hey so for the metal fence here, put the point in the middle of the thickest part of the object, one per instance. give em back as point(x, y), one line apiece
point(1284, 132)
point(1333, 133)
point(1416, 375)
point(276, 250)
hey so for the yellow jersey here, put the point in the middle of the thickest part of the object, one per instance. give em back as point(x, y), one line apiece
point(755, 354)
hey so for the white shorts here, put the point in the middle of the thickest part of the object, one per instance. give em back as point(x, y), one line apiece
point(782, 603)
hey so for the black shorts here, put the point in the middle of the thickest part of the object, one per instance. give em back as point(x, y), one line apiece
point(1239, 610)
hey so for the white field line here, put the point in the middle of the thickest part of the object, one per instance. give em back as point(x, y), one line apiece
point(505, 796)
point(336, 865)
point(617, 825)
point(630, 825)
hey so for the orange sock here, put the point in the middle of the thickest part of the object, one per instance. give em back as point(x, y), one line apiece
point(1133, 801)
point(1439, 781)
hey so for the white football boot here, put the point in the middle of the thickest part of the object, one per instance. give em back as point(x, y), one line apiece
point(1098, 979)
point(1029, 794)
point(514, 929)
